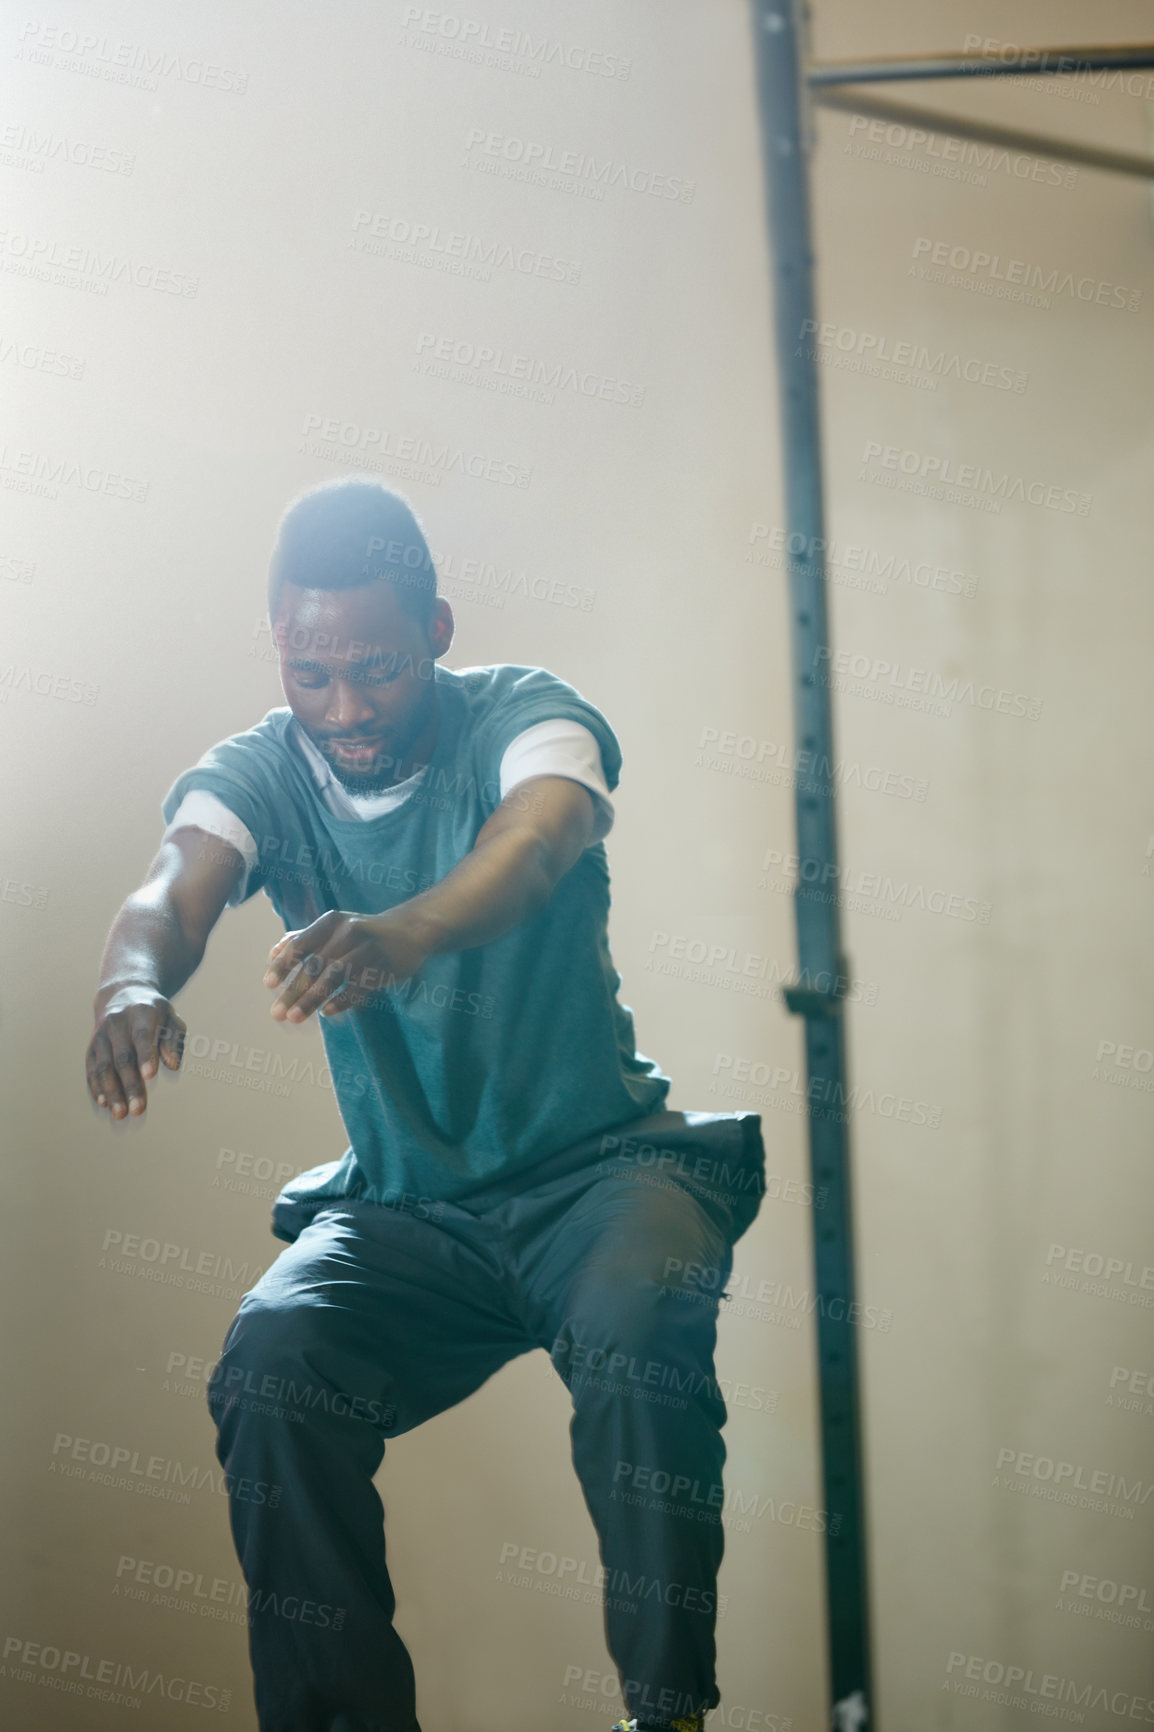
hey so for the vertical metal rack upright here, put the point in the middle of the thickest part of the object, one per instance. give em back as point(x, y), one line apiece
point(789, 84)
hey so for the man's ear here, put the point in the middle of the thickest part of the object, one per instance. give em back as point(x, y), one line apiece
point(441, 627)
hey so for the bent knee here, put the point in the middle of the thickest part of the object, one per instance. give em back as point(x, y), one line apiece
point(640, 1322)
point(268, 1354)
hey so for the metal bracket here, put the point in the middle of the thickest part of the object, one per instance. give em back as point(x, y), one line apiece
point(807, 1001)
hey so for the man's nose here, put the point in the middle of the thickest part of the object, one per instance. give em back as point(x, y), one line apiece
point(348, 707)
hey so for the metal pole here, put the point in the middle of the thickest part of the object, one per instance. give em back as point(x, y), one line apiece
point(1029, 62)
point(961, 126)
point(784, 81)
point(822, 967)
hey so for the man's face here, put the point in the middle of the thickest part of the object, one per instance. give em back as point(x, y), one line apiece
point(357, 670)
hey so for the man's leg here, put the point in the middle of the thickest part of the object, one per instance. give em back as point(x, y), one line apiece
point(372, 1321)
point(625, 1295)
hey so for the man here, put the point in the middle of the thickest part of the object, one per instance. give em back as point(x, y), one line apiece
point(433, 841)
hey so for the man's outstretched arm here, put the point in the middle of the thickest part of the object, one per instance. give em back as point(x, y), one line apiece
point(537, 833)
point(521, 854)
point(156, 944)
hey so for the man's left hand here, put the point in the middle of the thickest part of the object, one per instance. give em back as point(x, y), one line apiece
point(341, 961)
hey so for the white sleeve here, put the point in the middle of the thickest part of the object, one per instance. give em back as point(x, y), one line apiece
point(205, 812)
point(560, 748)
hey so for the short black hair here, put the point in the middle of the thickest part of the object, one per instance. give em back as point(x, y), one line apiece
point(342, 534)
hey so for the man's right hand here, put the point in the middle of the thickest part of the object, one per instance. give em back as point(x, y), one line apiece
point(136, 1030)
point(158, 937)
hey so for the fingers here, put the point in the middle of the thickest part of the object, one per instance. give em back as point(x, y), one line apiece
point(125, 1058)
point(325, 957)
point(367, 982)
point(281, 962)
point(309, 967)
point(295, 946)
point(172, 1041)
point(145, 1032)
point(277, 951)
point(315, 981)
point(103, 1082)
point(347, 997)
point(114, 1078)
point(126, 1049)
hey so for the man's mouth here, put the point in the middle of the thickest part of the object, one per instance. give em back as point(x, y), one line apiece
point(356, 751)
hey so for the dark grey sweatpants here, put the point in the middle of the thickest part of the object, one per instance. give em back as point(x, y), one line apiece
point(377, 1317)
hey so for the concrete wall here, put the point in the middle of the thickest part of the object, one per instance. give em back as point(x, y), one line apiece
point(206, 261)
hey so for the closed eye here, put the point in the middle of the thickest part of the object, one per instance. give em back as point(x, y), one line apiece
point(351, 678)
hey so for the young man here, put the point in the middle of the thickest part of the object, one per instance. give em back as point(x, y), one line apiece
point(433, 841)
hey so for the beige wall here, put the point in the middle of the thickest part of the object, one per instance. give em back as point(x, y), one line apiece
point(1019, 1164)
